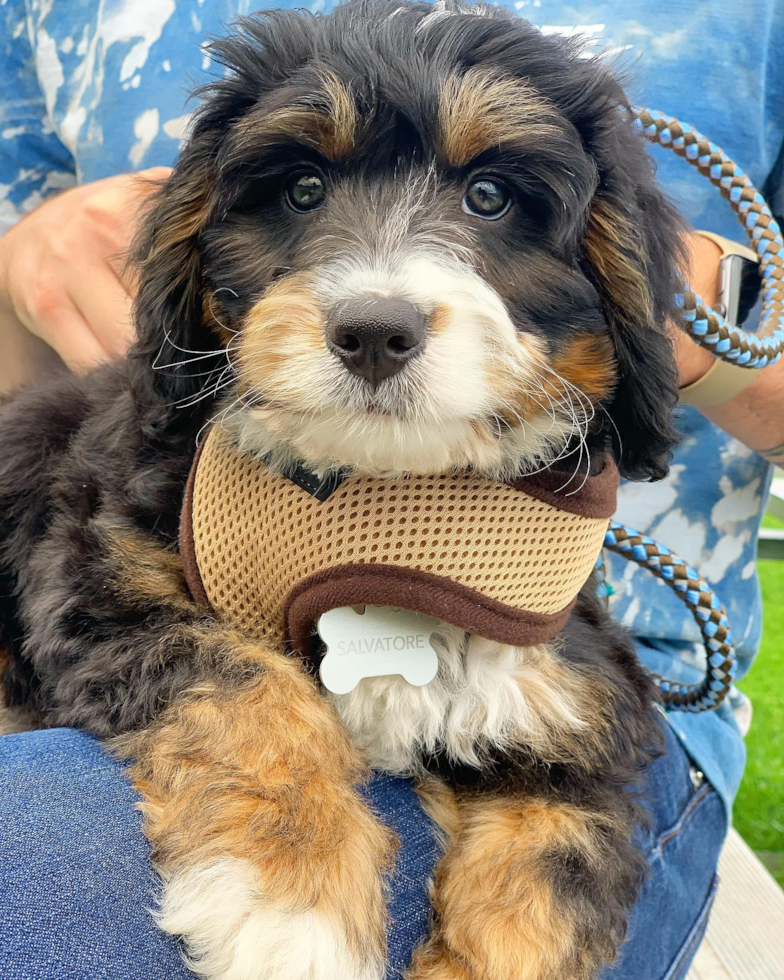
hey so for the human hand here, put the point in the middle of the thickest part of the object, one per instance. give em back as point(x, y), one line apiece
point(63, 275)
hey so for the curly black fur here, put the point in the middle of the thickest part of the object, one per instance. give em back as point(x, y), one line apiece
point(88, 462)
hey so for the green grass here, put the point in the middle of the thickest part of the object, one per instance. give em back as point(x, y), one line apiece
point(759, 809)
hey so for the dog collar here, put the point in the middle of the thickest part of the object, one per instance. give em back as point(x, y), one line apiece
point(270, 553)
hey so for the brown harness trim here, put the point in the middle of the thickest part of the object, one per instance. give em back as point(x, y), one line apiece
point(597, 497)
point(424, 592)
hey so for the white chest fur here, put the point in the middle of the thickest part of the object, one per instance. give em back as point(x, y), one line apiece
point(485, 695)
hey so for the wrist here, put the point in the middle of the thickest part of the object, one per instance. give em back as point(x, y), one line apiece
point(754, 416)
point(702, 275)
point(25, 356)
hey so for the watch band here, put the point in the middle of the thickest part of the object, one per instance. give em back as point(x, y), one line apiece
point(723, 380)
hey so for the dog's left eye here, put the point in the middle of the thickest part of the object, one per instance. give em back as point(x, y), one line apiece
point(306, 192)
point(487, 198)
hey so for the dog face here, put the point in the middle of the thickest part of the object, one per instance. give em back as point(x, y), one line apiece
point(408, 238)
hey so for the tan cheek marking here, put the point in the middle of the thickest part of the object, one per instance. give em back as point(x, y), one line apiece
point(588, 362)
point(285, 325)
point(515, 381)
point(479, 111)
point(440, 320)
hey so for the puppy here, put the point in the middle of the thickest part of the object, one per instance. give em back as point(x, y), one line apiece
point(401, 239)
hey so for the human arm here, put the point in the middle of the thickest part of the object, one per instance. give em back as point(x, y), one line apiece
point(64, 294)
point(755, 416)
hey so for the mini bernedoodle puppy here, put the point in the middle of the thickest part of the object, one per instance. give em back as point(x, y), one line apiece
point(400, 239)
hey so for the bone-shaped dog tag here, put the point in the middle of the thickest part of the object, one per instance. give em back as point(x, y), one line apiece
point(377, 643)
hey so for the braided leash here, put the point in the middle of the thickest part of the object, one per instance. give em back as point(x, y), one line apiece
point(705, 606)
point(730, 343)
point(708, 328)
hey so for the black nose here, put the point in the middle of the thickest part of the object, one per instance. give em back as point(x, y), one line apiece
point(376, 338)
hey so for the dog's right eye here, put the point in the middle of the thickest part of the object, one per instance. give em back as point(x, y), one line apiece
point(487, 198)
point(306, 192)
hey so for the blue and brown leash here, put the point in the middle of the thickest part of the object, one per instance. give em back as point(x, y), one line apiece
point(727, 342)
point(705, 606)
point(707, 327)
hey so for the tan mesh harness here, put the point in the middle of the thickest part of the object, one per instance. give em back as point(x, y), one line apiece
point(504, 561)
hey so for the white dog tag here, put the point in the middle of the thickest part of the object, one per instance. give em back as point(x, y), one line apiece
point(379, 642)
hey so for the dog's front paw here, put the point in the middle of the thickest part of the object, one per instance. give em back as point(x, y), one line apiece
point(434, 961)
point(232, 931)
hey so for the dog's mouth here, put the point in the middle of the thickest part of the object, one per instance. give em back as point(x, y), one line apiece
point(381, 431)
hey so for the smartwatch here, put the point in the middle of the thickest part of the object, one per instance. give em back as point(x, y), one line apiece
point(739, 288)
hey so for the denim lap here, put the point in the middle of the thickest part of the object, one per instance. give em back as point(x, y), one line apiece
point(688, 827)
point(76, 884)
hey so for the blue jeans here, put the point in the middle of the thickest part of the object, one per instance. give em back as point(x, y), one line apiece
point(76, 883)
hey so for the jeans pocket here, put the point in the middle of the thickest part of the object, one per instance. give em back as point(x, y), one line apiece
point(671, 913)
point(692, 803)
point(687, 952)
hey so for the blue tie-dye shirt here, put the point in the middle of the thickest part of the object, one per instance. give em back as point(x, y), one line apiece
point(92, 88)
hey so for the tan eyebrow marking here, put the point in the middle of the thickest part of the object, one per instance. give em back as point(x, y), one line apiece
point(328, 122)
point(479, 110)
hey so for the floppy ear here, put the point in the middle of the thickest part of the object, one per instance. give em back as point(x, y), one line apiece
point(169, 304)
point(632, 245)
point(173, 306)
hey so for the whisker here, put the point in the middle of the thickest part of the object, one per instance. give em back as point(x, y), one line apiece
point(213, 420)
point(209, 389)
point(186, 350)
point(617, 431)
point(220, 323)
point(192, 360)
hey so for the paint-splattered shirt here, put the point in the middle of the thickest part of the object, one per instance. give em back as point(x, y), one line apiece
point(92, 88)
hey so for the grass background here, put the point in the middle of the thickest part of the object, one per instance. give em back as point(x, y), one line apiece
point(759, 809)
